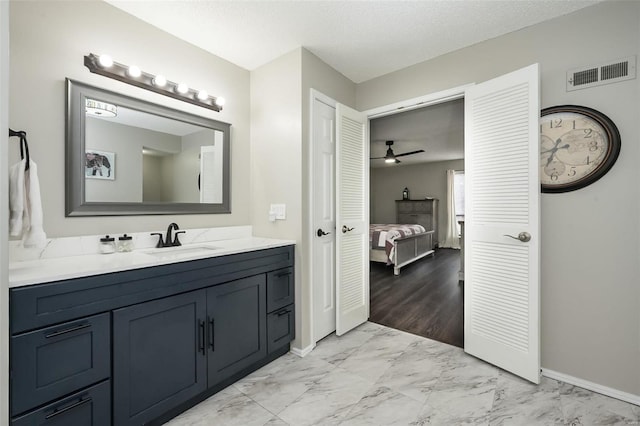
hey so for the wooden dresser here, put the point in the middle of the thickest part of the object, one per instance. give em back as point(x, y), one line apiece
point(423, 212)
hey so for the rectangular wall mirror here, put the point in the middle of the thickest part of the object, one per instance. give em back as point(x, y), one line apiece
point(126, 156)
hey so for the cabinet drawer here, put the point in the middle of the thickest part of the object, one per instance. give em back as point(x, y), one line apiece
point(55, 361)
point(280, 328)
point(90, 407)
point(279, 289)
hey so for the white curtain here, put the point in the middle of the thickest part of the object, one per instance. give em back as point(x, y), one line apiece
point(452, 239)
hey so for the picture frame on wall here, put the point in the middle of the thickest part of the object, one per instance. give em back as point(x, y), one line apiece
point(99, 165)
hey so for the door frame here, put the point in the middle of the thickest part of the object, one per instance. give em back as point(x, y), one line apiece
point(457, 92)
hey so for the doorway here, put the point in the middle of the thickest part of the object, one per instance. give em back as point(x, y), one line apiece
point(426, 298)
point(501, 319)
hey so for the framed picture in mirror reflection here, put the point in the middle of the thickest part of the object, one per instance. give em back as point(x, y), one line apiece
point(99, 165)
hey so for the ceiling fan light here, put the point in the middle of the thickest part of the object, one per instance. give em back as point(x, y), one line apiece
point(390, 160)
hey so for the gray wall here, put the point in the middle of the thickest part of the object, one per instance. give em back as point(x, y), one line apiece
point(280, 154)
point(42, 58)
point(126, 142)
point(590, 238)
point(152, 178)
point(423, 180)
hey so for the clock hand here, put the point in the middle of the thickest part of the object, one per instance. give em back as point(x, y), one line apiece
point(554, 149)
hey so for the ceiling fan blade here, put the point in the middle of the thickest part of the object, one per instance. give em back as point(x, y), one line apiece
point(377, 158)
point(410, 153)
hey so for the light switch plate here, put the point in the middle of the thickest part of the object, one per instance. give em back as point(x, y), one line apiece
point(279, 210)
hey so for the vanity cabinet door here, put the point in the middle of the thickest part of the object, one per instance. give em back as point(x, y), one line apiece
point(158, 356)
point(237, 326)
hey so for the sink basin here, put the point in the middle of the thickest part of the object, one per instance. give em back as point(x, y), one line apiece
point(180, 251)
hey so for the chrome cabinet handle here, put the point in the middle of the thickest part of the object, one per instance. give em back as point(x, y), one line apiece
point(321, 233)
point(346, 229)
point(523, 237)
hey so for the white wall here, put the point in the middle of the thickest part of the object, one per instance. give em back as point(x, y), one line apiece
point(423, 180)
point(48, 42)
point(591, 237)
point(4, 206)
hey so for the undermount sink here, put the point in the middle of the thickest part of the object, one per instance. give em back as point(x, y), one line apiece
point(180, 251)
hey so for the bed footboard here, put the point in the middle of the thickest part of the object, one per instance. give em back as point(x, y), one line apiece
point(412, 248)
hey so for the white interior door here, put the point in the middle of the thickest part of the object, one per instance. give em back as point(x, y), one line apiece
point(502, 192)
point(324, 220)
point(352, 219)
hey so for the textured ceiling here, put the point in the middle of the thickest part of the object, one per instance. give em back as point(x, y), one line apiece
point(438, 129)
point(360, 39)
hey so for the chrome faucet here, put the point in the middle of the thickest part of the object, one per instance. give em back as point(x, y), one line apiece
point(168, 241)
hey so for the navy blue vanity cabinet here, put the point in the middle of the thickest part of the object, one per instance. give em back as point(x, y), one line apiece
point(140, 346)
point(158, 356)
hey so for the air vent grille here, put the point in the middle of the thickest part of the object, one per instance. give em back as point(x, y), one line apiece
point(604, 73)
point(621, 69)
point(585, 77)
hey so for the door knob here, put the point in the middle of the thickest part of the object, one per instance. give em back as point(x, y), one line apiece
point(523, 236)
point(321, 233)
point(346, 229)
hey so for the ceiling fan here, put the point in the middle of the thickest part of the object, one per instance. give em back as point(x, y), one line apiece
point(390, 157)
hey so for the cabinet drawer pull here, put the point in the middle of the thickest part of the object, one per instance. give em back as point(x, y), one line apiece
point(57, 412)
point(211, 335)
point(201, 346)
point(68, 330)
point(282, 274)
point(284, 312)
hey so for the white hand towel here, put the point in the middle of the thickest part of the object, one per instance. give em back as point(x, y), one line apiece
point(25, 205)
point(16, 198)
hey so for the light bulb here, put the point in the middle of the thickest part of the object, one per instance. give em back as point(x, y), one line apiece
point(203, 95)
point(134, 71)
point(389, 160)
point(220, 101)
point(159, 80)
point(182, 88)
point(105, 61)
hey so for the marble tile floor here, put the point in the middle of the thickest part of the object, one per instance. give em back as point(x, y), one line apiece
point(376, 375)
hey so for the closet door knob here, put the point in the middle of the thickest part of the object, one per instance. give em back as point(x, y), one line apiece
point(321, 233)
point(523, 237)
point(346, 229)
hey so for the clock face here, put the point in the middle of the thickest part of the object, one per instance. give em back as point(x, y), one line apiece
point(578, 145)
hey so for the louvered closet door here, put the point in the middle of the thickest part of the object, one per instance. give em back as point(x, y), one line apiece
point(502, 190)
point(352, 217)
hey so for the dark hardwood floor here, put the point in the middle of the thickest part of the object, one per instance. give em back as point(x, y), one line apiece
point(425, 299)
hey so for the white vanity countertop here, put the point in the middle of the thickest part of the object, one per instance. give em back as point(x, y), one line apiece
point(39, 271)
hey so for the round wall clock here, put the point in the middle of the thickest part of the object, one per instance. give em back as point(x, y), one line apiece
point(578, 145)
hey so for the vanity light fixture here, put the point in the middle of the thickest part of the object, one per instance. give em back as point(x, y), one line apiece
point(134, 71)
point(159, 81)
point(105, 66)
point(182, 88)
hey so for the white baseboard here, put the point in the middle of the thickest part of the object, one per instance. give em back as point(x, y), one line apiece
point(304, 351)
point(604, 390)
